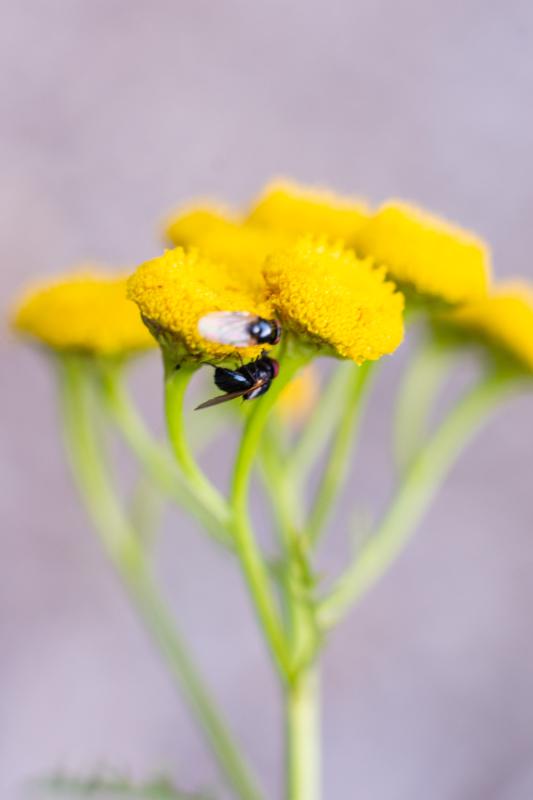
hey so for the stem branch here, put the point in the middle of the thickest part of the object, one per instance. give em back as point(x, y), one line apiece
point(336, 468)
point(176, 383)
point(250, 557)
point(420, 483)
point(125, 552)
point(155, 458)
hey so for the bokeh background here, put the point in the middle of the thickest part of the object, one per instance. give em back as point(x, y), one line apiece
point(114, 112)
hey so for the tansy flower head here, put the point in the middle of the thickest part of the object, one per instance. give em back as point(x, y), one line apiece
point(241, 248)
point(336, 300)
point(426, 254)
point(188, 225)
point(299, 397)
point(177, 289)
point(300, 210)
point(504, 319)
point(85, 312)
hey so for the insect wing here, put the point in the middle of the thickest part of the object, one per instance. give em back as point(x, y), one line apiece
point(227, 327)
point(222, 398)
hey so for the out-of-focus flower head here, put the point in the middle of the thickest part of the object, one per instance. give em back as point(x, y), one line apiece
point(341, 303)
point(177, 289)
point(83, 312)
point(241, 248)
point(300, 210)
point(186, 225)
point(504, 320)
point(299, 397)
point(425, 254)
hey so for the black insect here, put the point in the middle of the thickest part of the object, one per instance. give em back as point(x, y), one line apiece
point(249, 381)
point(238, 328)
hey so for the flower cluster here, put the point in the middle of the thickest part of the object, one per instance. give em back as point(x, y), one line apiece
point(324, 293)
point(177, 289)
point(503, 319)
point(426, 254)
point(298, 211)
point(85, 312)
point(331, 270)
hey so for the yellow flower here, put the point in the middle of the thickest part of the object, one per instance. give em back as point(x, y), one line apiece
point(242, 248)
point(299, 397)
point(336, 300)
point(188, 225)
point(505, 319)
point(426, 254)
point(86, 312)
point(175, 290)
point(300, 210)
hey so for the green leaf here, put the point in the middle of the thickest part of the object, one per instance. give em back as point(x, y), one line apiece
point(109, 786)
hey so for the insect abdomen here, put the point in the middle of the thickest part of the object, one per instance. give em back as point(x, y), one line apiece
point(229, 380)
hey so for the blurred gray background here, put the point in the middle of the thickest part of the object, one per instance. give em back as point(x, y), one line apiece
point(112, 113)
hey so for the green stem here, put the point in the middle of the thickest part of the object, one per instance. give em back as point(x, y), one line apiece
point(336, 470)
point(157, 462)
point(296, 581)
point(423, 379)
point(303, 737)
point(279, 486)
point(318, 429)
point(125, 552)
point(249, 554)
point(176, 383)
point(419, 486)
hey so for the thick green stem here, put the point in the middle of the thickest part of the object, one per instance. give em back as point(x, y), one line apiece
point(303, 737)
point(415, 494)
point(336, 469)
point(249, 554)
point(125, 552)
point(176, 383)
point(156, 460)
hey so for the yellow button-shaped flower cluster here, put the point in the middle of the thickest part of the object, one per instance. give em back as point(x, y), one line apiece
point(300, 210)
point(85, 312)
point(336, 300)
point(189, 225)
point(426, 254)
point(505, 319)
point(175, 290)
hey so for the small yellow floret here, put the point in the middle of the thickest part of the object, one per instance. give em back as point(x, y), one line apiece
point(326, 294)
point(301, 210)
point(85, 312)
point(175, 290)
point(505, 318)
point(299, 397)
point(425, 253)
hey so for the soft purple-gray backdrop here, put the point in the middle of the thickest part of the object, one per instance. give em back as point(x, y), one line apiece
point(113, 112)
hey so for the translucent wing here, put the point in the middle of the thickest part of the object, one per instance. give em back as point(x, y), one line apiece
point(227, 327)
point(223, 398)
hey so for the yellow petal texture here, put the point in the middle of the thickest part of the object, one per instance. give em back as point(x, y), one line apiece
point(175, 290)
point(425, 253)
point(505, 318)
point(243, 248)
point(300, 210)
point(299, 397)
point(341, 302)
point(87, 312)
